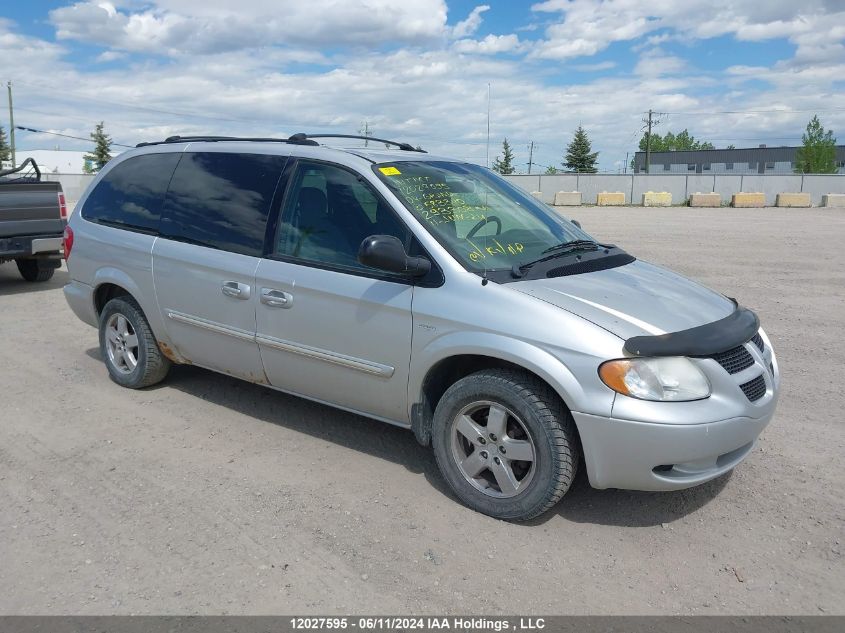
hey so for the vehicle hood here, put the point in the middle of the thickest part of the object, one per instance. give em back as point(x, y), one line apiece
point(632, 300)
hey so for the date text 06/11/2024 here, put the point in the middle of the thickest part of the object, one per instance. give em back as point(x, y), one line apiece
point(388, 623)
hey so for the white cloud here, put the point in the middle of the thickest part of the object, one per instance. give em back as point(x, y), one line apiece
point(232, 74)
point(586, 27)
point(110, 56)
point(471, 24)
point(590, 68)
point(654, 63)
point(489, 45)
point(187, 26)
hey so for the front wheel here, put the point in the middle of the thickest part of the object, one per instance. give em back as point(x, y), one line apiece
point(505, 444)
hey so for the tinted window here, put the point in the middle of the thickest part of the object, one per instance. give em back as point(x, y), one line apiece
point(328, 213)
point(131, 194)
point(221, 200)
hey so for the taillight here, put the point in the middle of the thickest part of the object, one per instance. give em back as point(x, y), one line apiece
point(67, 241)
point(62, 206)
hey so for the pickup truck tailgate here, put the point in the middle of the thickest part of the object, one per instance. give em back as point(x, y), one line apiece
point(30, 209)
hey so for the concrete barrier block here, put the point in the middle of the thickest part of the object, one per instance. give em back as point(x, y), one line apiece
point(537, 194)
point(705, 199)
point(657, 199)
point(793, 200)
point(567, 198)
point(610, 198)
point(747, 199)
point(833, 200)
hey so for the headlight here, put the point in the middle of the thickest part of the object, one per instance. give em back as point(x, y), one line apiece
point(663, 379)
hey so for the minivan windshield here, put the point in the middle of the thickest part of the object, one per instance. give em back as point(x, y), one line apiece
point(480, 218)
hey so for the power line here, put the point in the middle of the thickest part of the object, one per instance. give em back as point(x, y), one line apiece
point(756, 112)
point(78, 138)
point(189, 115)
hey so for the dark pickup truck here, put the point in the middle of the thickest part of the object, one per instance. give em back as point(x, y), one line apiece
point(33, 216)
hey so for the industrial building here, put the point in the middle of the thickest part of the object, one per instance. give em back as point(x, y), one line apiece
point(750, 160)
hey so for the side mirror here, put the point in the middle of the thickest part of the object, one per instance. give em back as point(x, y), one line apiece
point(386, 252)
point(576, 223)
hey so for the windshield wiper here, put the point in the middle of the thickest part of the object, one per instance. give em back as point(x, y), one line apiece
point(572, 245)
point(558, 250)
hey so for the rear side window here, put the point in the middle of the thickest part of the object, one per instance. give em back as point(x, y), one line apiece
point(131, 194)
point(221, 200)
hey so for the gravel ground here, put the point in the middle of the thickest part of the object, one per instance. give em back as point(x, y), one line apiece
point(209, 495)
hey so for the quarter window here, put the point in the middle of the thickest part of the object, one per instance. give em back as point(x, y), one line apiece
point(130, 195)
point(222, 200)
point(328, 213)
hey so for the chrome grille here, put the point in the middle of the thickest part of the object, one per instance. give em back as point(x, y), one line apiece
point(758, 341)
point(754, 389)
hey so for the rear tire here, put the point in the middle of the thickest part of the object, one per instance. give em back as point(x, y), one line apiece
point(128, 346)
point(505, 443)
point(36, 270)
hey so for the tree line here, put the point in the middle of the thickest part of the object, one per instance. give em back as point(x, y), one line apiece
point(817, 154)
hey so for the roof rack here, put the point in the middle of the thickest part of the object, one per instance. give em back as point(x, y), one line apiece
point(192, 139)
point(303, 138)
point(296, 139)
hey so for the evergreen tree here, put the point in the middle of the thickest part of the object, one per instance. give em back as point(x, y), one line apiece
point(95, 161)
point(5, 150)
point(504, 165)
point(818, 154)
point(551, 171)
point(579, 158)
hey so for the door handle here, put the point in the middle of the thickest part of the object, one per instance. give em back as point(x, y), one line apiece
point(235, 289)
point(276, 298)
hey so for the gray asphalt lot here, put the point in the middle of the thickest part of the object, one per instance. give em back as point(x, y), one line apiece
point(210, 495)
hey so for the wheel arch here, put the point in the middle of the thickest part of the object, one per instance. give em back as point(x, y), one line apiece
point(110, 283)
point(427, 386)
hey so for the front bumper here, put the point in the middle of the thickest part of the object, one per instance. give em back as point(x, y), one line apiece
point(647, 456)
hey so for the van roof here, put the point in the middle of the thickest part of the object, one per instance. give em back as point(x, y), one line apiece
point(382, 153)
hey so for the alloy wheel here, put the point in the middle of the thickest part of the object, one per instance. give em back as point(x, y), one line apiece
point(493, 449)
point(121, 344)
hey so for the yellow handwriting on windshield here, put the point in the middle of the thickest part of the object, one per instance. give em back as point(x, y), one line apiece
point(508, 250)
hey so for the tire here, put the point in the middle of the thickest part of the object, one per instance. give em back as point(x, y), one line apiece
point(122, 317)
point(35, 269)
point(534, 418)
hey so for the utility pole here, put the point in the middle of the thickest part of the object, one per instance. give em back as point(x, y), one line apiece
point(365, 130)
point(625, 166)
point(530, 157)
point(651, 122)
point(488, 125)
point(11, 124)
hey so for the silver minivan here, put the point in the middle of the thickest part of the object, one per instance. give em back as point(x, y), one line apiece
point(425, 292)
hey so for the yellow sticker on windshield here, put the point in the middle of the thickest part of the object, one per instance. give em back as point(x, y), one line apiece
point(389, 171)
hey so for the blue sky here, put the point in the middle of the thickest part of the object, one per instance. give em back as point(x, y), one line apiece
point(731, 71)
